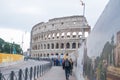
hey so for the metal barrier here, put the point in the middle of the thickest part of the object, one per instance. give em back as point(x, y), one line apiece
point(31, 73)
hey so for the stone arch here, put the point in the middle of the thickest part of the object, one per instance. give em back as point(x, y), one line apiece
point(68, 45)
point(44, 46)
point(62, 35)
point(58, 35)
point(68, 34)
point(41, 46)
point(73, 45)
point(49, 36)
point(79, 34)
point(44, 55)
point(38, 46)
point(53, 35)
point(48, 55)
point(79, 45)
point(74, 34)
point(40, 55)
point(62, 45)
point(52, 47)
point(41, 37)
point(48, 46)
point(57, 45)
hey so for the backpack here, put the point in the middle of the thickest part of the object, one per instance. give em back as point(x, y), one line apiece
point(67, 64)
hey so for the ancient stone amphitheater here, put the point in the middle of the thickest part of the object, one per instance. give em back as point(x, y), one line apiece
point(58, 36)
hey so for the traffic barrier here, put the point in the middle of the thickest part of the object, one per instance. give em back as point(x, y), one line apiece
point(4, 57)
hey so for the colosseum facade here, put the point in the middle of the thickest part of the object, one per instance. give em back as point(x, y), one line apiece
point(58, 36)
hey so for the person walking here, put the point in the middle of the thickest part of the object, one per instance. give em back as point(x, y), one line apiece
point(67, 66)
point(71, 67)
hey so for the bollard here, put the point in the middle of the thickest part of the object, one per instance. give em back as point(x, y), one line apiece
point(34, 72)
point(31, 71)
point(26, 73)
point(40, 70)
point(0, 76)
point(12, 75)
point(20, 75)
point(37, 71)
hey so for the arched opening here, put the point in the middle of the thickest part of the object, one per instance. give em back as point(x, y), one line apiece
point(74, 34)
point(52, 46)
point(68, 45)
point(80, 34)
point(48, 46)
point(62, 35)
point(35, 47)
point(47, 55)
point(74, 45)
point(58, 34)
point(45, 37)
point(57, 54)
point(57, 45)
point(41, 37)
point(38, 46)
point(68, 35)
point(49, 36)
point(38, 55)
point(41, 46)
point(53, 36)
point(62, 45)
point(44, 55)
point(41, 55)
point(79, 45)
point(44, 46)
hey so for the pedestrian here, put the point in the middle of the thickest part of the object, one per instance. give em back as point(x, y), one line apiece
point(67, 66)
point(71, 67)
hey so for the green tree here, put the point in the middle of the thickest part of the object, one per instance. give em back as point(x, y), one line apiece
point(18, 48)
point(6, 47)
point(1, 45)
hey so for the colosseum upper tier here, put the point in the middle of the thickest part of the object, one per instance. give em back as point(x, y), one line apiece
point(58, 36)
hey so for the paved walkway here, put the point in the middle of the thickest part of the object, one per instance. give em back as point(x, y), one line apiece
point(56, 73)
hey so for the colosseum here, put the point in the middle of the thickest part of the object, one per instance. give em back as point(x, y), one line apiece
point(58, 36)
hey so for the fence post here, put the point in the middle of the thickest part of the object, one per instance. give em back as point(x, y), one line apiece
point(34, 72)
point(40, 70)
point(26, 73)
point(31, 71)
point(0, 76)
point(12, 75)
point(37, 71)
point(20, 75)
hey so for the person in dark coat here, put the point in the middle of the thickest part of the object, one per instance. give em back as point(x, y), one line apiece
point(71, 68)
point(67, 66)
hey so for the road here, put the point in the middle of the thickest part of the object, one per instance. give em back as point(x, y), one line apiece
point(21, 65)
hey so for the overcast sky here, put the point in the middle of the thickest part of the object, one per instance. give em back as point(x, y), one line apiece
point(17, 17)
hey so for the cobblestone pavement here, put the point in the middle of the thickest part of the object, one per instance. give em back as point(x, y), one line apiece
point(56, 73)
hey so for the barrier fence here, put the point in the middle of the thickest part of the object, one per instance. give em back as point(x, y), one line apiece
point(31, 73)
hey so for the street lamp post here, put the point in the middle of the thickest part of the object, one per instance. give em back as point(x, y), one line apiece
point(83, 4)
point(22, 41)
point(11, 46)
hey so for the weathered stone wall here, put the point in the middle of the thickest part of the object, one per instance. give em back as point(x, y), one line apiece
point(58, 36)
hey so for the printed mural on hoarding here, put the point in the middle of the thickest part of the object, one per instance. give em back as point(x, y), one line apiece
point(99, 56)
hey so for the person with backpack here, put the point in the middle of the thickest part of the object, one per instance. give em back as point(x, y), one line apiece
point(67, 66)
